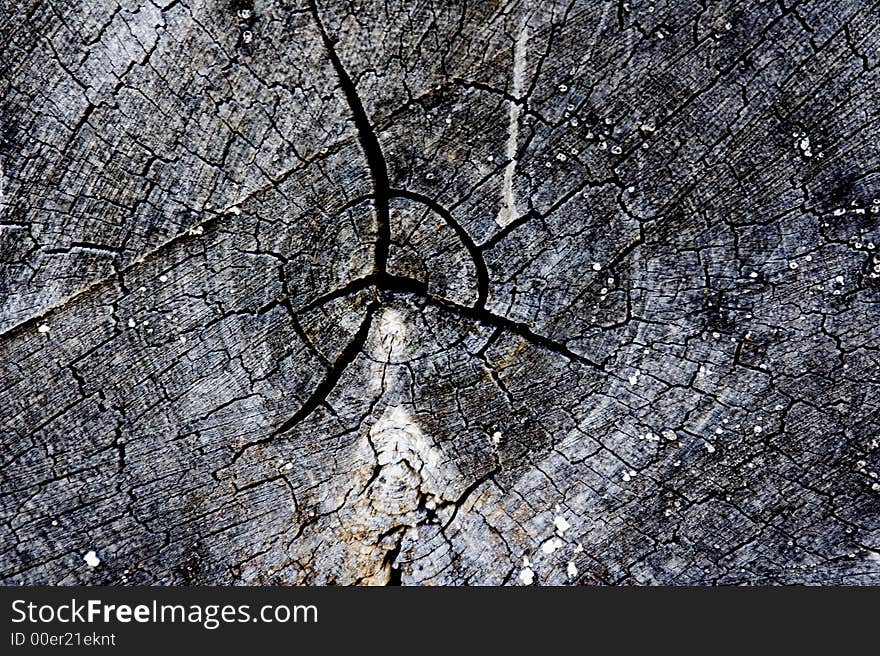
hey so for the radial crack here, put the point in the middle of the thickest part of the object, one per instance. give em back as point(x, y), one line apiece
point(369, 143)
point(349, 353)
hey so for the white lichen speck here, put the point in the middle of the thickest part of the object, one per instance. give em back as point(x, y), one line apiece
point(561, 524)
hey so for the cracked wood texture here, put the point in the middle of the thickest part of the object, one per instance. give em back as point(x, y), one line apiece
point(487, 292)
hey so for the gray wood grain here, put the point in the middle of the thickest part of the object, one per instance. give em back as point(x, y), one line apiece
point(439, 292)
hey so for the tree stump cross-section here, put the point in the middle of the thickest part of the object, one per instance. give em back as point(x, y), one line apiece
point(320, 292)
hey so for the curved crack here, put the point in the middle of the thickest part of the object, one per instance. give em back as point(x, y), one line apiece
point(466, 240)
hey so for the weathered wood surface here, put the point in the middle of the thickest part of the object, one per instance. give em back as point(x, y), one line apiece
point(439, 293)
